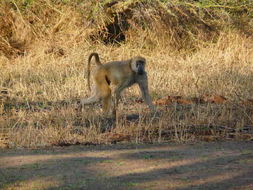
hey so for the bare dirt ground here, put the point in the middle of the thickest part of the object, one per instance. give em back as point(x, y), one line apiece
point(216, 165)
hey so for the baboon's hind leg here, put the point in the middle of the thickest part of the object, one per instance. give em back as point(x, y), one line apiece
point(90, 100)
point(106, 98)
point(93, 99)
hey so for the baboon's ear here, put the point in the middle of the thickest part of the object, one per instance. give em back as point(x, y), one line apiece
point(133, 65)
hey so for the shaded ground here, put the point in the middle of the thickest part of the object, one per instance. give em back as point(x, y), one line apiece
point(220, 165)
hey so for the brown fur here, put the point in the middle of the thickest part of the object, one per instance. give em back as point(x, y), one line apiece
point(122, 74)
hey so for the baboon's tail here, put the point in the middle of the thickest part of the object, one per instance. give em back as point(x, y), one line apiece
point(98, 63)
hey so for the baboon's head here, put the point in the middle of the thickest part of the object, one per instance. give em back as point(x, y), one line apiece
point(138, 65)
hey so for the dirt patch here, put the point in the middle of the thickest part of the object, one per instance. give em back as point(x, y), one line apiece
point(224, 165)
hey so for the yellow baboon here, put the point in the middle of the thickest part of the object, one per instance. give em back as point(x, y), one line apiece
point(122, 74)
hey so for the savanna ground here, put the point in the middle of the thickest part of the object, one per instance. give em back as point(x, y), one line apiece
point(200, 69)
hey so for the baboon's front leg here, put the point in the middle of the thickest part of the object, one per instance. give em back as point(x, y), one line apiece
point(143, 84)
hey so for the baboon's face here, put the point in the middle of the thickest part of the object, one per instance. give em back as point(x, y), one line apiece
point(138, 65)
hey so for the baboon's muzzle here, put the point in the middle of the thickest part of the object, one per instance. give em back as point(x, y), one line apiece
point(140, 72)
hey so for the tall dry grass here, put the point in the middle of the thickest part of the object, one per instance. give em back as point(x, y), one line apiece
point(45, 78)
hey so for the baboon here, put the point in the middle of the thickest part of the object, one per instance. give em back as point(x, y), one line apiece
point(122, 74)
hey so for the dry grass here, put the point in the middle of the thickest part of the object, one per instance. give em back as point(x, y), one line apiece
point(44, 78)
